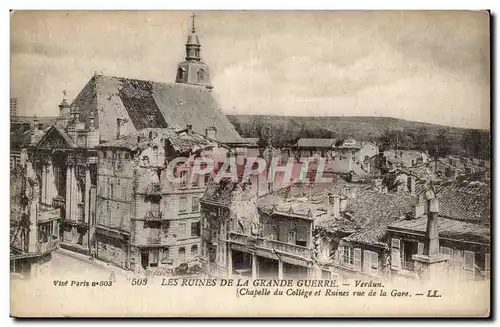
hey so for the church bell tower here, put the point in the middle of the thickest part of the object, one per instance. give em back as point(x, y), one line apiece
point(193, 71)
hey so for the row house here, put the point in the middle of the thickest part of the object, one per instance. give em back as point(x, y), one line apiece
point(353, 240)
point(145, 219)
point(462, 215)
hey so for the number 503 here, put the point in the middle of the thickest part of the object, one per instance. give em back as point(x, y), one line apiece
point(139, 281)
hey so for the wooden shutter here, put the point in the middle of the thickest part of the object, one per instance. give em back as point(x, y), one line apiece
point(420, 248)
point(469, 264)
point(395, 253)
point(374, 263)
point(340, 257)
point(357, 259)
point(366, 261)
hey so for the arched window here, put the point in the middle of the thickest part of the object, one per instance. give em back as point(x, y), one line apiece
point(201, 75)
point(180, 74)
point(194, 250)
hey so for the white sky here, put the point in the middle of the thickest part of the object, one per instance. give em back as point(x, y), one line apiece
point(424, 66)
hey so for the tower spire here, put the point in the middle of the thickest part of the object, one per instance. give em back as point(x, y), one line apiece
point(193, 71)
point(193, 16)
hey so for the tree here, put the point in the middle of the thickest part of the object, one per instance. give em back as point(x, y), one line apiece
point(440, 146)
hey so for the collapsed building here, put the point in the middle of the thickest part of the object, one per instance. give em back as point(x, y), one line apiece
point(351, 231)
point(145, 219)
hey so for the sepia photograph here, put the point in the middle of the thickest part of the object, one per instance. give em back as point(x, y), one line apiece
point(205, 163)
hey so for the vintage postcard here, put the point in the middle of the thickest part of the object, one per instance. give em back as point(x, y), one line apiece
point(250, 164)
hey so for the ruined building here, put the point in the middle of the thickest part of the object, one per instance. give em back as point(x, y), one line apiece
point(144, 218)
point(64, 154)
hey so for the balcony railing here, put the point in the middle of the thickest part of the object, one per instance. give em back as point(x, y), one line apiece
point(154, 240)
point(153, 216)
point(271, 245)
point(239, 238)
point(284, 247)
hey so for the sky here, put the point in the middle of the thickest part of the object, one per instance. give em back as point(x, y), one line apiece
point(424, 66)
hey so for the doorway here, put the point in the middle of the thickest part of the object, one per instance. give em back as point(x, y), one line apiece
point(144, 259)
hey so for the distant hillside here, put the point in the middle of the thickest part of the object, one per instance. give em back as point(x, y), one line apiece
point(286, 130)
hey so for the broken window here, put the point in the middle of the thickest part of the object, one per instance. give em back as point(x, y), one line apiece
point(195, 229)
point(182, 204)
point(194, 250)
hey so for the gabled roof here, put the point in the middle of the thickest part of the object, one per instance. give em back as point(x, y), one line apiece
point(148, 104)
point(56, 129)
point(315, 143)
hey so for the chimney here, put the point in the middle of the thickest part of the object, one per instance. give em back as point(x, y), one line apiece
point(336, 205)
point(419, 210)
point(120, 127)
point(189, 128)
point(431, 245)
point(411, 184)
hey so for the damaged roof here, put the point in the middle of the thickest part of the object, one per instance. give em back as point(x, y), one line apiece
point(369, 212)
point(222, 192)
point(300, 199)
point(181, 139)
point(148, 104)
